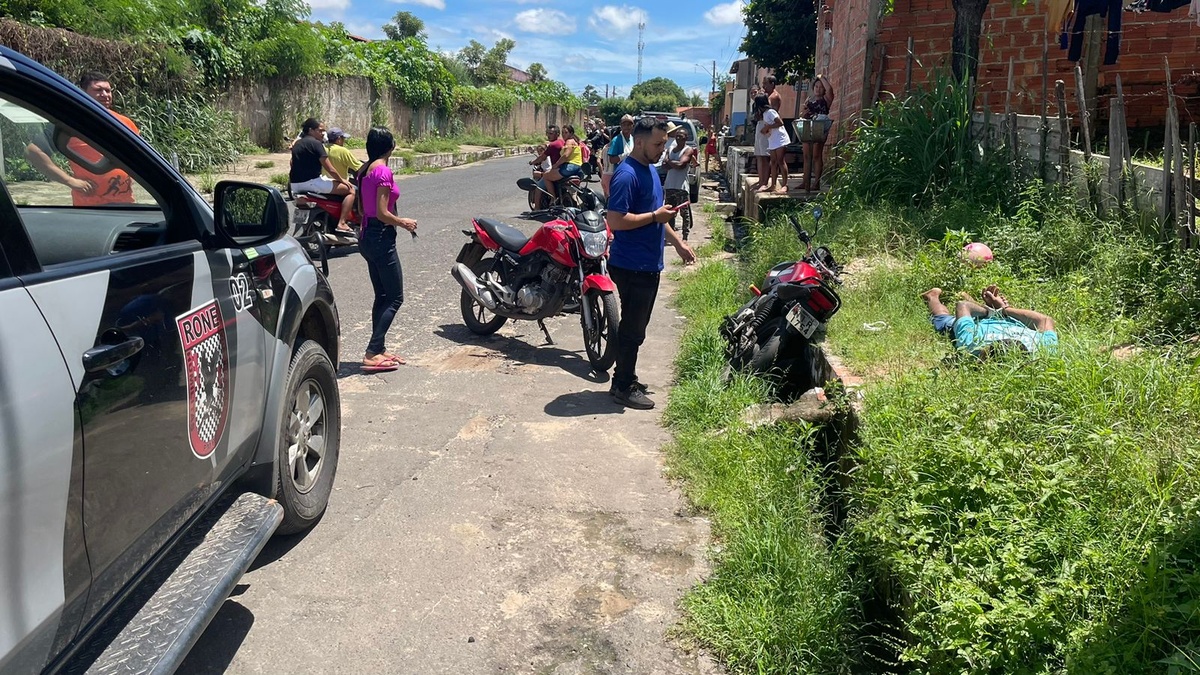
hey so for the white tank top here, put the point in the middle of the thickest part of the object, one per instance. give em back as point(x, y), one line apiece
point(676, 178)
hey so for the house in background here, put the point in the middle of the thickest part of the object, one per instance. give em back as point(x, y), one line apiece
point(701, 114)
point(865, 57)
point(517, 75)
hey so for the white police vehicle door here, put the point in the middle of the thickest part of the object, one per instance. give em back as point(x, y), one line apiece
point(148, 323)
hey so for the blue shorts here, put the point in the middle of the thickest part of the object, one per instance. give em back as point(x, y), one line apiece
point(943, 324)
point(570, 170)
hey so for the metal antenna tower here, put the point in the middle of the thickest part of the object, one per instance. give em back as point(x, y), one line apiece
point(641, 48)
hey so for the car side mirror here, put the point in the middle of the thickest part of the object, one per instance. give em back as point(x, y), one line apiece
point(248, 213)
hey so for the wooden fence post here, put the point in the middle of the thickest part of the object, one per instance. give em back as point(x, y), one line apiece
point(1191, 211)
point(1044, 131)
point(908, 66)
point(1167, 205)
point(1064, 133)
point(987, 123)
point(1115, 183)
point(1084, 124)
point(1013, 139)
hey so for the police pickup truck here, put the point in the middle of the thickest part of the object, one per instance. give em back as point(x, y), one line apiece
point(168, 398)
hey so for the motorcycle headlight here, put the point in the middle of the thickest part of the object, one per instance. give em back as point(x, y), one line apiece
point(594, 243)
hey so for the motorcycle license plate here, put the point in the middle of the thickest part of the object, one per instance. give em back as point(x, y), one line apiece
point(802, 321)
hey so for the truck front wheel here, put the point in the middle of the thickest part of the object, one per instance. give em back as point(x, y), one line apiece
point(309, 437)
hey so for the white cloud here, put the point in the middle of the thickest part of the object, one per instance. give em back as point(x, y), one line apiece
point(621, 18)
point(336, 5)
point(727, 14)
point(435, 4)
point(547, 21)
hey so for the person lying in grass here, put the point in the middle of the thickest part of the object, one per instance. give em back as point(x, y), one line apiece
point(981, 329)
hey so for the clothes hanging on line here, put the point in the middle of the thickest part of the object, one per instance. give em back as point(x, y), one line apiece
point(1111, 9)
point(1057, 12)
point(1194, 12)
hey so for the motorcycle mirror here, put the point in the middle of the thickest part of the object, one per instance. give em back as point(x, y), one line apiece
point(817, 213)
point(526, 183)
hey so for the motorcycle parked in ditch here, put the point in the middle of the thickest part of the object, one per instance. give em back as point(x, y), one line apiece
point(771, 335)
point(562, 268)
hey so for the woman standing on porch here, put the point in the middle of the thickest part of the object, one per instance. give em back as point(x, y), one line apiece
point(816, 111)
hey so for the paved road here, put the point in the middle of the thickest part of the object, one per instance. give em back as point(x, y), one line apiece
point(494, 512)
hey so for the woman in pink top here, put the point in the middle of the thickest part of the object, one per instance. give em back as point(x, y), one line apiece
point(377, 243)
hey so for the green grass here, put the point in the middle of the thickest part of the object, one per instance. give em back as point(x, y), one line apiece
point(428, 146)
point(780, 597)
point(265, 164)
point(280, 179)
point(1024, 515)
point(451, 143)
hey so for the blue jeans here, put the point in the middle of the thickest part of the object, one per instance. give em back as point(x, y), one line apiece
point(570, 170)
point(378, 245)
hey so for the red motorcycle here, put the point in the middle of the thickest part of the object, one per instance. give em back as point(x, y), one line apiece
point(561, 269)
point(315, 223)
point(772, 334)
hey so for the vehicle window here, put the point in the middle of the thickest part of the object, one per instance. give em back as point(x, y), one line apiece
point(76, 199)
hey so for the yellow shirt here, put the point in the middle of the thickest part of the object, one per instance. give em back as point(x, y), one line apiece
point(574, 155)
point(343, 160)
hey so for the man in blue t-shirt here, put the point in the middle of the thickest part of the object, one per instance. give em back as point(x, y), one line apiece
point(636, 215)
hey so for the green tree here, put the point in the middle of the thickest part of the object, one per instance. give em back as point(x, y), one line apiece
point(537, 72)
point(404, 25)
point(472, 55)
point(660, 86)
point(611, 109)
point(591, 96)
point(655, 103)
point(781, 35)
point(696, 101)
point(487, 66)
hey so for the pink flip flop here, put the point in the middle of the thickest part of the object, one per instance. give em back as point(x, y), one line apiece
point(385, 366)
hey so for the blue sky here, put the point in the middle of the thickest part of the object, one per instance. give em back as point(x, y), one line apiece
point(594, 42)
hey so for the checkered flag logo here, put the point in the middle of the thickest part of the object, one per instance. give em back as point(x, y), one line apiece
point(202, 334)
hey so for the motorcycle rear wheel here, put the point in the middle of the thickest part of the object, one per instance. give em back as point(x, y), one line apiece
point(314, 244)
point(479, 319)
point(599, 339)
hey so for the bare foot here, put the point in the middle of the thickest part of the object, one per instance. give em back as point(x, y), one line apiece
point(780, 190)
point(932, 294)
point(765, 188)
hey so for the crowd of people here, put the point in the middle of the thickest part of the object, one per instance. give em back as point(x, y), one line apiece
point(771, 137)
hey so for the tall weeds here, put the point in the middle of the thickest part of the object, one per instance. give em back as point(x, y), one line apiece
point(921, 149)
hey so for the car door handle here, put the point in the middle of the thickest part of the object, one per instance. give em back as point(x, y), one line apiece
point(106, 356)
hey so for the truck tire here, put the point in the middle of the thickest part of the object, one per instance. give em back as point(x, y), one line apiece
point(309, 438)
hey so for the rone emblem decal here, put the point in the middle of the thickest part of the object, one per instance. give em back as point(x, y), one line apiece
point(206, 358)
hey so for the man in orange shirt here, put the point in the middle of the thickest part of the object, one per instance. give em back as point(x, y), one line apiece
point(87, 188)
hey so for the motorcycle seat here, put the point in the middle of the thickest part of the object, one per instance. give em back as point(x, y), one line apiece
point(507, 236)
point(322, 195)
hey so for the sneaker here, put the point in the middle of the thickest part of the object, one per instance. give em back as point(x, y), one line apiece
point(612, 388)
point(634, 398)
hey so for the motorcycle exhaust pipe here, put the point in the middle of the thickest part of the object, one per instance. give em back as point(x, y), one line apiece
point(470, 282)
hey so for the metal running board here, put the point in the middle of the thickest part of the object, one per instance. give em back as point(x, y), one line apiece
point(153, 629)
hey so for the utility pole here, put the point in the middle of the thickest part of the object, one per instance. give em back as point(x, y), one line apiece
point(641, 48)
point(606, 91)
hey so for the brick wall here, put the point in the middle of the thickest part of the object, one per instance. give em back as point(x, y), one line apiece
point(1016, 32)
point(847, 43)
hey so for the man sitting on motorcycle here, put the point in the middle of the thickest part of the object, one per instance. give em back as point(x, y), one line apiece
point(309, 156)
point(981, 330)
point(553, 152)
